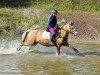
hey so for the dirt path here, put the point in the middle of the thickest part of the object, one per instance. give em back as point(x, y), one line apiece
point(87, 25)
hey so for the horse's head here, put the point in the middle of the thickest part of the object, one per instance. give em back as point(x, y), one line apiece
point(69, 27)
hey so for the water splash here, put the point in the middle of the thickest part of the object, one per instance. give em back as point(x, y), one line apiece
point(8, 47)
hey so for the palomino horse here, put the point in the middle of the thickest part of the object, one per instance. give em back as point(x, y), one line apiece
point(33, 37)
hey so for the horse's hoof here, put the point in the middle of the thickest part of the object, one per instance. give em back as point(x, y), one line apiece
point(76, 51)
point(18, 49)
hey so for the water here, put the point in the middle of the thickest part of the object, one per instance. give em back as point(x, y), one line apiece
point(44, 61)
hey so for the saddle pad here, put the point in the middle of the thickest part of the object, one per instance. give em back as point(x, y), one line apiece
point(46, 35)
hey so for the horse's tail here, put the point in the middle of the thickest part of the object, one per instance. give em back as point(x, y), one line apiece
point(24, 36)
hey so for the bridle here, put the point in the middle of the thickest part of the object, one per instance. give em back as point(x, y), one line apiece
point(71, 30)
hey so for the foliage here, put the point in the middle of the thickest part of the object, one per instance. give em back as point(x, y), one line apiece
point(24, 14)
point(24, 19)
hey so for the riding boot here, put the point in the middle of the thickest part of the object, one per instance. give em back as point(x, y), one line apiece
point(52, 40)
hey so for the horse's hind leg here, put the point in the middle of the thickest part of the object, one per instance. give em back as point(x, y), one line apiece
point(33, 45)
point(19, 48)
point(71, 47)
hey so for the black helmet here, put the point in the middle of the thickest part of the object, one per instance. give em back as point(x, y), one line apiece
point(54, 11)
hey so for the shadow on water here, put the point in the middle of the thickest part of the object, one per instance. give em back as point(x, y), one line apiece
point(89, 53)
point(52, 51)
point(83, 54)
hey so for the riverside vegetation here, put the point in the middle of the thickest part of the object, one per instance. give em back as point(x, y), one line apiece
point(17, 16)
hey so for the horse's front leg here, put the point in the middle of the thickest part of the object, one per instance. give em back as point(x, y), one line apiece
point(58, 50)
point(71, 47)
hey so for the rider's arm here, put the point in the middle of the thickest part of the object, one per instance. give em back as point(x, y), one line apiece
point(50, 21)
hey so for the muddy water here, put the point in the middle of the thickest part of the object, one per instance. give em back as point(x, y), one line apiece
point(45, 62)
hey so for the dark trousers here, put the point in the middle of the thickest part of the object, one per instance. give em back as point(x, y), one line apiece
point(52, 38)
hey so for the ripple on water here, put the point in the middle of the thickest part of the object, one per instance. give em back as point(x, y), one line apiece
point(45, 62)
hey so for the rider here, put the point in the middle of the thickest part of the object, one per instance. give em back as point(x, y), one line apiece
point(52, 23)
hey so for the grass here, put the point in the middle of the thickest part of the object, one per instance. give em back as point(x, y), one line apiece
point(24, 18)
point(31, 13)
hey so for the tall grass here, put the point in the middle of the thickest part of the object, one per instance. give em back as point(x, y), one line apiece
point(29, 13)
point(12, 19)
point(69, 5)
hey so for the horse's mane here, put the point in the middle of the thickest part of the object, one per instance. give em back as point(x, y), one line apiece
point(63, 22)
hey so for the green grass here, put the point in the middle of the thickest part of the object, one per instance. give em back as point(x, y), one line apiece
point(27, 14)
point(23, 18)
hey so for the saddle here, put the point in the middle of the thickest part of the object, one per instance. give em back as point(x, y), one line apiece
point(46, 35)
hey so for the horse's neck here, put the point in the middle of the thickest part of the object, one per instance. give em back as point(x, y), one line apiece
point(64, 36)
point(64, 33)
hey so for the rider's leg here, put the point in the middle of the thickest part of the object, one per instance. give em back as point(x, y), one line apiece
point(52, 31)
point(53, 38)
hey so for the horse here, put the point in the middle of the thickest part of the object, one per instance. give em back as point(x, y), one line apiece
point(33, 37)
